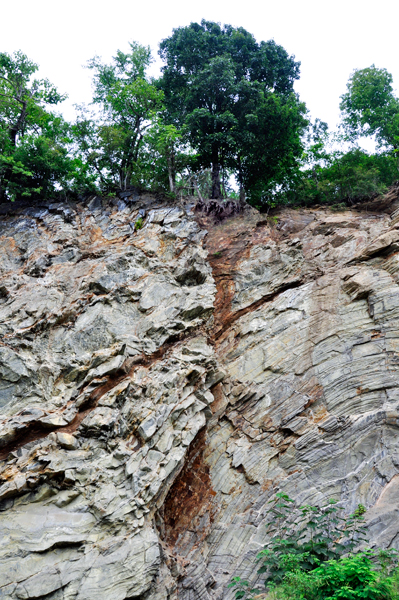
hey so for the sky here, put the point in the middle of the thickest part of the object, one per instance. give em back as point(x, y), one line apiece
point(330, 39)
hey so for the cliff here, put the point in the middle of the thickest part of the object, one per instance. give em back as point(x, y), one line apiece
point(159, 384)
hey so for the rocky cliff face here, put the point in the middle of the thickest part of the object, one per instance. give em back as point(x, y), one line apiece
point(158, 386)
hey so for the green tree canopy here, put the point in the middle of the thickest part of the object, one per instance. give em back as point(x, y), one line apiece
point(21, 98)
point(33, 151)
point(370, 107)
point(126, 101)
point(234, 99)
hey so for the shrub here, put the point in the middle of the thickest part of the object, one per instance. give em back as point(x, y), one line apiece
point(311, 556)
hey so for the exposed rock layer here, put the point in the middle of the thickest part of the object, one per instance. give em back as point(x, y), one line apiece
point(159, 385)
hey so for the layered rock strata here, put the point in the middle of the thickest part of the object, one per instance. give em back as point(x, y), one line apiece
point(159, 384)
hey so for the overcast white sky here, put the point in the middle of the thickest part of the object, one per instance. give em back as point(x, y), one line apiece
point(329, 38)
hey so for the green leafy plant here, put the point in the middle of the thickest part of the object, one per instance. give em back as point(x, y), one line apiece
point(111, 139)
point(312, 533)
point(273, 219)
point(354, 577)
point(34, 141)
point(242, 588)
point(311, 555)
point(370, 107)
point(138, 224)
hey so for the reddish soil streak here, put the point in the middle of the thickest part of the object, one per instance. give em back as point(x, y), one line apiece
point(36, 431)
point(228, 244)
point(190, 496)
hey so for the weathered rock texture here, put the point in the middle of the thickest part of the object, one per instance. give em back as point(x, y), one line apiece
point(158, 386)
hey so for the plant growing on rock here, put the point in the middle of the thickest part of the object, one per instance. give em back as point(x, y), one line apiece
point(138, 224)
point(311, 556)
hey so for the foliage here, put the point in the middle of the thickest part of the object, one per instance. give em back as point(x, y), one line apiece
point(370, 107)
point(138, 224)
point(165, 158)
point(311, 556)
point(223, 109)
point(358, 577)
point(340, 178)
point(268, 143)
point(22, 99)
point(111, 138)
point(311, 533)
point(34, 157)
point(234, 100)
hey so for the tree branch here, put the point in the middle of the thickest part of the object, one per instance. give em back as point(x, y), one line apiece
point(11, 84)
point(13, 97)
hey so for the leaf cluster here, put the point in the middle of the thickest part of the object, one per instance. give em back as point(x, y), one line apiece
point(355, 577)
point(312, 534)
point(312, 555)
point(339, 178)
point(369, 107)
point(34, 154)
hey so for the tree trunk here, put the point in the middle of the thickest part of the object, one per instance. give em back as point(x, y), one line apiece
point(172, 172)
point(3, 197)
point(198, 191)
point(241, 182)
point(19, 125)
point(242, 194)
point(216, 191)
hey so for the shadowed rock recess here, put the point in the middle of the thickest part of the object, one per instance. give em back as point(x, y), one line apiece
point(158, 386)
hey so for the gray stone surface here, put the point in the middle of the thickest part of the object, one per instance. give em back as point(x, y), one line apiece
point(154, 394)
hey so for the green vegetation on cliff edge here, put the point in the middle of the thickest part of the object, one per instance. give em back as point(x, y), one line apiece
point(224, 109)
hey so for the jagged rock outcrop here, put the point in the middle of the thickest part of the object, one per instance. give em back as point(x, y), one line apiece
point(159, 384)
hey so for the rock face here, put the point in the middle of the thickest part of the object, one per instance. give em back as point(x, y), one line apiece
point(159, 385)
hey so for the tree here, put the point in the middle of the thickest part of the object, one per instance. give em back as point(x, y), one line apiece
point(33, 152)
point(21, 99)
point(225, 91)
point(267, 141)
point(127, 101)
point(370, 107)
point(164, 157)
